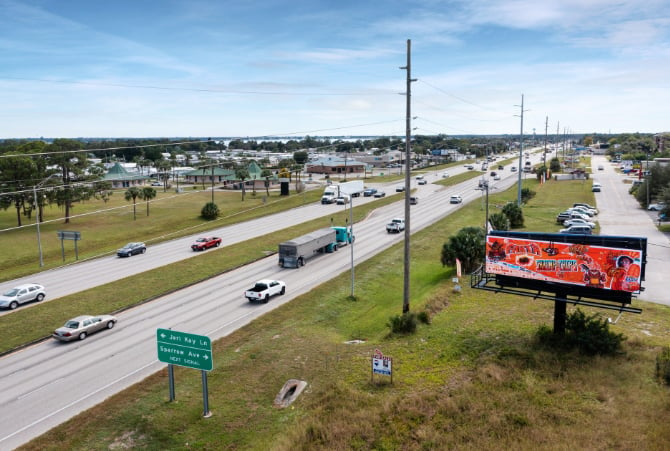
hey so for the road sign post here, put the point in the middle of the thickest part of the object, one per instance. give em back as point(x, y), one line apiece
point(188, 350)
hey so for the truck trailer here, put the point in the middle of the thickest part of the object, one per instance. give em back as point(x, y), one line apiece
point(294, 253)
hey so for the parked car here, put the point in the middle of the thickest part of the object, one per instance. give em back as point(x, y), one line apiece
point(601, 167)
point(590, 207)
point(587, 211)
point(565, 215)
point(132, 249)
point(380, 194)
point(501, 167)
point(22, 294)
point(156, 184)
point(369, 192)
point(578, 230)
point(656, 207)
point(82, 326)
point(578, 221)
point(205, 243)
point(455, 199)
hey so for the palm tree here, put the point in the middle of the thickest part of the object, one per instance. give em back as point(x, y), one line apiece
point(133, 193)
point(147, 193)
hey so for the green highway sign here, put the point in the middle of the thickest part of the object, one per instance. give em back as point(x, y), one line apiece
point(184, 349)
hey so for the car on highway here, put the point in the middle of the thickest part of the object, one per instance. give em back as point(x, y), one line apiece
point(343, 199)
point(413, 200)
point(596, 187)
point(496, 177)
point(82, 326)
point(369, 192)
point(28, 292)
point(379, 194)
point(513, 169)
point(578, 230)
point(470, 167)
point(455, 199)
point(422, 182)
point(264, 289)
point(206, 242)
point(132, 249)
point(579, 221)
point(445, 175)
point(400, 188)
point(656, 206)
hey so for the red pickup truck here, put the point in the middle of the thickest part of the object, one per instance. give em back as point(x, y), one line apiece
point(205, 243)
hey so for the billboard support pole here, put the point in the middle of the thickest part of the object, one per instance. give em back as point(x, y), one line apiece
point(560, 308)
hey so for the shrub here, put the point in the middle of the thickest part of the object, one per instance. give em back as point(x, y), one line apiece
point(514, 214)
point(403, 324)
point(499, 221)
point(527, 194)
point(663, 365)
point(423, 317)
point(210, 211)
point(589, 334)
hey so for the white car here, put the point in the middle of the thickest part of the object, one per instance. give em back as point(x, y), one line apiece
point(445, 175)
point(656, 207)
point(579, 221)
point(20, 295)
point(455, 199)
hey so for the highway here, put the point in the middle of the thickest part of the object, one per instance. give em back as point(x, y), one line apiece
point(49, 383)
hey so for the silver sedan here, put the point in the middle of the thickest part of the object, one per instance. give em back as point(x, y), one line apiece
point(80, 327)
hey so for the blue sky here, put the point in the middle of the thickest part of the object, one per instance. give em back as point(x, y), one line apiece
point(74, 68)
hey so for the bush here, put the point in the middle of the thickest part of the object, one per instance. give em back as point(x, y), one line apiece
point(527, 194)
point(210, 211)
point(499, 221)
point(403, 324)
point(663, 365)
point(589, 334)
point(423, 317)
point(514, 214)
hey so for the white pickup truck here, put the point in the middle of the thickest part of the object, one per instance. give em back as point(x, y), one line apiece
point(264, 289)
point(396, 225)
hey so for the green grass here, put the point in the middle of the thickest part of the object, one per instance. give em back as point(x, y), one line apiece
point(475, 378)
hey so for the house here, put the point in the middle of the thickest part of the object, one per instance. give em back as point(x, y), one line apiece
point(335, 165)
point(122, 178)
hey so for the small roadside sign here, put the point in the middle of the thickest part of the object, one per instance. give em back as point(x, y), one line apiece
point(184, 349)
point(382, 364)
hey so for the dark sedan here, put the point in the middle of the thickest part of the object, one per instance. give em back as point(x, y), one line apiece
point(132, 249)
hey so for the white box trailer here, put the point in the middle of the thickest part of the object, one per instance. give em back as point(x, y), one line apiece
point(294, 253)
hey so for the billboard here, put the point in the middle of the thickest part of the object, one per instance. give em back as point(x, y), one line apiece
point(603, 267)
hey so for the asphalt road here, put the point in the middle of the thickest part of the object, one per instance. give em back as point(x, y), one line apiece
point(49, 383)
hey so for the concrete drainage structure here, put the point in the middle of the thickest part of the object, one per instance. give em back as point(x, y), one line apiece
point(289, 393)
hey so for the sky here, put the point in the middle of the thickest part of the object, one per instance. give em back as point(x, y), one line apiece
point(206, 68)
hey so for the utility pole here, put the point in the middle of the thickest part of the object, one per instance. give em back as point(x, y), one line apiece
point(518, 200)
point(408, 138)
point(544, 157)
point(558, 127)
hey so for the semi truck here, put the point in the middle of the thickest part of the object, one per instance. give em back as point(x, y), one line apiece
point(294, 253)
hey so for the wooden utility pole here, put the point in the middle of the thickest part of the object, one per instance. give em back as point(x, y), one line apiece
point(408, 167)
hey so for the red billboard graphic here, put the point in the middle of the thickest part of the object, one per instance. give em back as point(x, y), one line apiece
point(586, 265)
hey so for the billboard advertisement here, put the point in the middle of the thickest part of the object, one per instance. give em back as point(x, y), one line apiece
point(595, 264)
